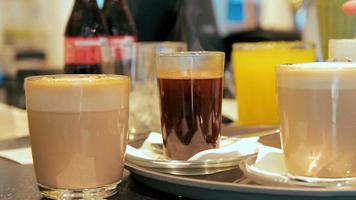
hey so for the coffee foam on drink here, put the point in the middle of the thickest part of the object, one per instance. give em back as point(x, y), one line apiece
point(321, 75)
point(77, 93)
point(171, 74)
point(190, 65)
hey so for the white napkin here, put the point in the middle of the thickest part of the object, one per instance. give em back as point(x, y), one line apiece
point(270, 160)
point(21, 155)
point(228, 148)
point(13, 122)
point(229, 109)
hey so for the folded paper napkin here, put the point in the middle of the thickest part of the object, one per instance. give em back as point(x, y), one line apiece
point(228, 148)
point(229, 109)
point(13, 122)
point(270, 160)
point(21, 155)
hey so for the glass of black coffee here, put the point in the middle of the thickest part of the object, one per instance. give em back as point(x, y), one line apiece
point(190, 87)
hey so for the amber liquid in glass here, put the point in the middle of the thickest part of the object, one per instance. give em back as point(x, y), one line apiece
point(190, 115)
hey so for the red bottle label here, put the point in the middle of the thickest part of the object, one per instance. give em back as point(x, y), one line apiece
point(85, 50)
point(121, 46)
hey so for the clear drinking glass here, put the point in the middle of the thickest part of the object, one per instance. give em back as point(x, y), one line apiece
point(144, 109)
point(254, 66)
point(78, 130)
point(190, 88)
point(317, 113)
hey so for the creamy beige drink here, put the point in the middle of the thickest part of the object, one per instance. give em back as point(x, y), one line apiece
point(318, 118)
point(78, 129)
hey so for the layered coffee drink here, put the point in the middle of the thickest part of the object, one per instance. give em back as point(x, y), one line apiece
point(190, 96)
point(317, 113)
point(78, 129)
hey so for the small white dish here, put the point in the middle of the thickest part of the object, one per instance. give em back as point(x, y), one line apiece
point(268, 168)
point(204, 165)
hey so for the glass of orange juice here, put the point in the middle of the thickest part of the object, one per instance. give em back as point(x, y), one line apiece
point(254, 66)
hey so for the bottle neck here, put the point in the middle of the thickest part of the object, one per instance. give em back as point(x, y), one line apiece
point(119, 18)
point(87, 4)
point(117, 3)
point(86, 20)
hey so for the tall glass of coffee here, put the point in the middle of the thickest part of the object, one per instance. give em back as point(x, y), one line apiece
point(78, 130)
point(190, 88)
point(318, 119)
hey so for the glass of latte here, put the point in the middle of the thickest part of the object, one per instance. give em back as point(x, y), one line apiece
point(78, 130)
point(318, 120)
point(190, 88)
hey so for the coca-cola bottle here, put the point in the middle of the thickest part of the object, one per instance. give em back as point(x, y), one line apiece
point(122, 34)
point(86, 46)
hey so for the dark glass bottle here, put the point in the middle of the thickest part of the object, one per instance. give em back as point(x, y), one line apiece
point(122, 34)
point(86, 45)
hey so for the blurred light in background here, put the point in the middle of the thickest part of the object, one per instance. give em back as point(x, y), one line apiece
point(38, 25)
point(236, 11)
point(100, 3)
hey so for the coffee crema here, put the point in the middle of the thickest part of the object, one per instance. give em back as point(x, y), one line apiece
point(317, 112)
point(77, 93)
point(78, 129)
point(190, 65)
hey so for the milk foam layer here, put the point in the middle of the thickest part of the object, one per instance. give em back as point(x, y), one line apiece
point(323, 75)
point(190, 65)
point(77, 93)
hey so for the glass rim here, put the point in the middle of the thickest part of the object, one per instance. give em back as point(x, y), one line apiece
point(319, 65)
point(192, 54)
point(37, 77)
point(297, 44)
point(160, 42)
point(343, 40)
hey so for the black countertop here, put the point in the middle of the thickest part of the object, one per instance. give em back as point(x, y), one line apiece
point(18, 181)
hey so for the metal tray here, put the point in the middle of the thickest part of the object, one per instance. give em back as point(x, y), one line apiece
point(198, 167)
point(228, 185)
point(231, 184)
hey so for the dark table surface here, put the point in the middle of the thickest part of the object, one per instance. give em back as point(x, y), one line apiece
point(18, 181)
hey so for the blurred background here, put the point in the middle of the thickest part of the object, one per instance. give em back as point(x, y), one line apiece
point(32, 31)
